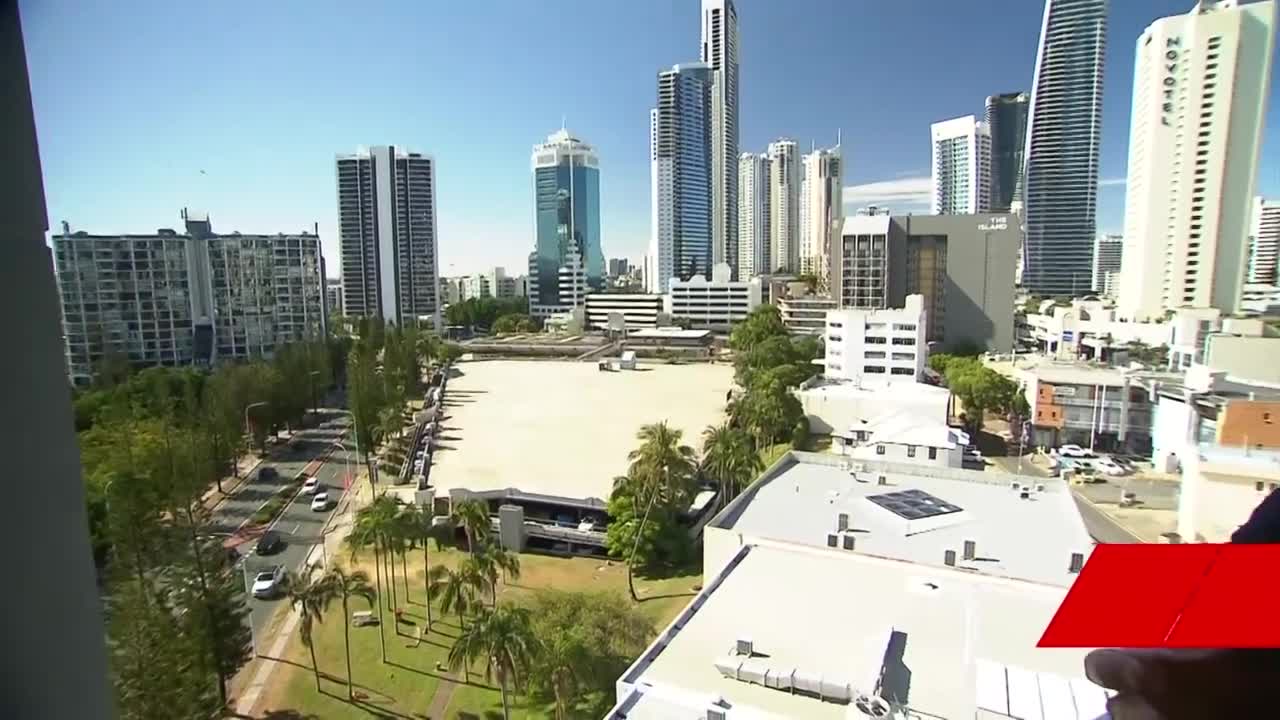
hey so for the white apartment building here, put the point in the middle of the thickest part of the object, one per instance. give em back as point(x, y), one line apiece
point(1108, 250)
point(753, 215)
point(961, 149)
point(493, 283)
point(1199, 102)
point(806, 314)
point(638, 310)
point(387, 234)
point(1264, 241)
point(185, 299)
point(719, 51)
point(821, 209)
point(877, 346)
point(784, 207)
point(714, 304)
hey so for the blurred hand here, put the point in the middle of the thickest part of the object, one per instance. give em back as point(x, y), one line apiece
point(1187, 684)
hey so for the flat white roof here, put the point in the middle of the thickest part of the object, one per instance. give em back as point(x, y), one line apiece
point(668, 332)
point(943, 642)
point(564, 428)
point(1031, 539)
point(865, 225)
point(1076, 374)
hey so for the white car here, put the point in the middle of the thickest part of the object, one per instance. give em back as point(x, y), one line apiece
point(310, 486)
point(1073, 451)
point(1107, 466)
point(320, 502)
point(268, 582)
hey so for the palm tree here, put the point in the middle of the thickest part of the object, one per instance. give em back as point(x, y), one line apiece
point(370, 530)
point(473, 517)
point(729, 459)
point(562, 661)
point(458, 589)
point(503, 639)
point(346, 586)
point(420, 531)
point(488, 562)
point(660, 468)
point(311, 598)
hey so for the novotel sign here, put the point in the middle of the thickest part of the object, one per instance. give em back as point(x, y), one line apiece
point(1172, 46)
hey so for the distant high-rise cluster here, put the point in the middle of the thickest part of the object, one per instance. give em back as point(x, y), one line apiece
point(1200, 86)
point(387, 234)
point(567, 258)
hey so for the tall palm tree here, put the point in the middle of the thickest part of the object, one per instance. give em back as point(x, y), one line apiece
point(348, 585)
point(562, 661)
point(503, 640)
point(458, 589)
point(491, 560)
point(421, 531)
point(661, 468)
point(473, 517)
point(369, 531)
point(310, 597)
point(729, 459)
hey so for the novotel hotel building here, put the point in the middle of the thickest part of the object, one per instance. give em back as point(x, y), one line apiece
point(1199, 104)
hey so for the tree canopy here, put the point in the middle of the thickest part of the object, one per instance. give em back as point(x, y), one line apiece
point(979, 388)
point(483, 312)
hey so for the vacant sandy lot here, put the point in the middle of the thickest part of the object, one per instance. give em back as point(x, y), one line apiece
point(564, 428)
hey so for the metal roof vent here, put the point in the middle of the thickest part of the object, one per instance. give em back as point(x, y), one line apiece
point(849, 541)
point(1025, 495)
point(872, 706)
point(833, 540)
point(1039, 487)
point(949, 558)
point(717, 713)
point(1015, 485)
point(882, 480)
point(1077, 563)
point(970, 549)
point(842, 521)
point(744, 646)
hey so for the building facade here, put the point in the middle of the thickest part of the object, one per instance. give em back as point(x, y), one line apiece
point(1100, 408)
point(719, 51)
point(1108, 253)
point(714, 304)
point(871, 347)
point(753, 215)
point(784, 207)
point(194, 298)
point(638, 310)
point(805, 315)
point(1199, 95)
point(618, 267)
point(960, 265)
point(961, 152)
point(1064, 132)
point(1007, 121)
point(387, 235)
point(566, 190)
point(821, 209)
point(680, 176)
point(1264, 241)
point(333, 295)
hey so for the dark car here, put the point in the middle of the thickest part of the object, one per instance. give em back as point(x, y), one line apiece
point(269, 543)
point(267, 473)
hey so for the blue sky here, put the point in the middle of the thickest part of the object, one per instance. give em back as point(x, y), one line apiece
point(238, 107)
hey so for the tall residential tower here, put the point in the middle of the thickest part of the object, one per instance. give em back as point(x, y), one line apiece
point(387, 233)
point(784, 207)
point(753, 215)
point(820, 209)
point(566, 200)
point(1007, 120)
point(719, 50)
point(1264, 241)
point(680, 244)
point(961, 150)
point(1064, 132)
point(1199, 103)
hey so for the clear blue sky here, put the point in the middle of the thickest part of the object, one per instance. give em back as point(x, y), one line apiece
point(238, 107)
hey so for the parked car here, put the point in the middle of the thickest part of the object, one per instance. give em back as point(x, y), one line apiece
point(1108, 466)
point(320, 502)
point(269, 582)
point(267, 473)
point(1074, 451)
point(310, 486)
point(269, 543)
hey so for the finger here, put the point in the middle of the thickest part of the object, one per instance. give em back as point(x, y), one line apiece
point(1131, 707)
point(1120, 670)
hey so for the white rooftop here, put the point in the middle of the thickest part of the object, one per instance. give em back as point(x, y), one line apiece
point(1031, 539)
point(865, 225)
point(906, 428)
point(1076, 374)
point(943, 642)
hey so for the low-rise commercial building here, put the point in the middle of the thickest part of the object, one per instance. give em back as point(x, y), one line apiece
point(836, 588)
point(714, 304)
point(185, 299)
point(1091, 406)
point(903, 437)
point(877, 346)
point(805, 315)
point(638, 310)
point(835, 406)
point(960, 264)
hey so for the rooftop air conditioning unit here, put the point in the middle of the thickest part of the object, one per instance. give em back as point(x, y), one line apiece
point(744, 646)
point(848, 541)
point(833, 540)
point(1025, 495)
point(842, 521)
point(1015, 485)
point(970, 549)
point(949, 558)
point(873, 706)
point(1077, 563)
point(1039, 487)
point(717, 713)
point(882, 480)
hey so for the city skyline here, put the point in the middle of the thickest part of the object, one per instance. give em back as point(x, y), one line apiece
point(118, 169)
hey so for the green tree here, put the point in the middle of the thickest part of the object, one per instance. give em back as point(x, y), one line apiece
point(346, 586)
point(458, 589)
point(421, 531)
point(311, 599)
point(472, 516)
point(491, 561)
point(729, 459)
point(514, 323)
point(502, 639)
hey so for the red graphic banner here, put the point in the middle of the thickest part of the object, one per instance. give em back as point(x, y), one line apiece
point(1186, 596)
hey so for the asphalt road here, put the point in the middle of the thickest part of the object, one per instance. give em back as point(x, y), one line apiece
point(1101, 527)
point(299, 527)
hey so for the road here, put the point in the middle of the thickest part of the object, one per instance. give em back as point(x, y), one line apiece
point(1153, 493)
point(298, 525)
point(1100, 526)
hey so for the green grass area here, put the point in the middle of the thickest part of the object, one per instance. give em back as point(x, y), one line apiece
point(769, 455)
point(405, 686)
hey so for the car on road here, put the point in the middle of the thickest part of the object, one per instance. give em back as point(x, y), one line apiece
point(268, 583)
point(320, 502)
point(1074, 451)
point(310, 485)
point(267, 473)
point(1108, 466)
point(269, 543)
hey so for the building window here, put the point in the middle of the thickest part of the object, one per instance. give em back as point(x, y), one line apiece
point(911, 451)
point(880, 451)
point(872, 340)
point(904, 341)
point(933, 453)
point(873, 369)
point(902, 371)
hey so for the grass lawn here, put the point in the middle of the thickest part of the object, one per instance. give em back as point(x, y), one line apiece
point(406, 685)
point(769, 455)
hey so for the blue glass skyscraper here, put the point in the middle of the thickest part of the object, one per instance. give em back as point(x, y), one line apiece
point(680, 177)
point(566, 187)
